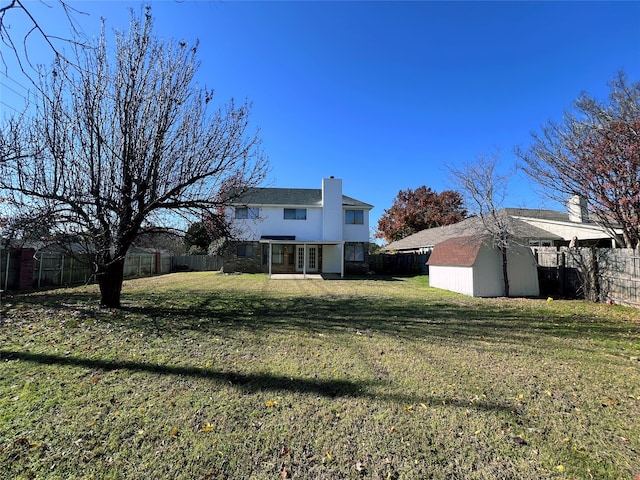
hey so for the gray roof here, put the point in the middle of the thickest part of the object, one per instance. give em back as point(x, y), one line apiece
point(539, 214)
point(471, 226)
point(291, 196)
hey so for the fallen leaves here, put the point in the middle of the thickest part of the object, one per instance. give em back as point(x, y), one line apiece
point(207, 428)
point(284, 452)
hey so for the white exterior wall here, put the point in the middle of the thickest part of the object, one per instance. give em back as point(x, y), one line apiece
point(356, 233)
point(521, 267)
point(248, 229)
point(523, 272)
point(487, 273)
point(484, 279)
point(332, 258)
point(455, 279)
point(332, 215)
point(272, 222)
point(568, 231)
point(323, 223)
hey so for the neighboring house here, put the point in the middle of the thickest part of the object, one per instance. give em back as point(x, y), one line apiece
point(289, 230)
point(473, 266)
point(575, 223)
point(425, 240)
point(529, 227)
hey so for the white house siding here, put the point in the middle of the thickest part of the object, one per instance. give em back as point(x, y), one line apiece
point(357, 233)
point(272, 222)
point(332, 209)
point(332, 258)
point(324, 227)
point(455, 279)
point(568, 231)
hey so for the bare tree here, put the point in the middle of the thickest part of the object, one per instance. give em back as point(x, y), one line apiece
point(595, 154)
point(17, 43)
point(484, 190)
point(126, 141)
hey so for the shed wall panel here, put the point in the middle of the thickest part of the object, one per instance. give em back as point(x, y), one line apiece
point(523, 273)
point(487, 273)
point(456, 279)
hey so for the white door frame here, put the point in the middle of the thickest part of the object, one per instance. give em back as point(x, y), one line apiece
point(308, 253)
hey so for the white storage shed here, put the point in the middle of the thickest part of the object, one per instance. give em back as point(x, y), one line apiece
point(473, 266)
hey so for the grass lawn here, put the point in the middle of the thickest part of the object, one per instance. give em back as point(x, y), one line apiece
point(207, 376)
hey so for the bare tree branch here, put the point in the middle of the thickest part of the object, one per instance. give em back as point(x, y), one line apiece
point(22, 55)
point(595, 153)
point(485, 190)
point(125, 139)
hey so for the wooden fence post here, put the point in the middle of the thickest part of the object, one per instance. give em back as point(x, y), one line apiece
point(596, 275)
point(6, 271)
point(25, 274)
point(562, 273)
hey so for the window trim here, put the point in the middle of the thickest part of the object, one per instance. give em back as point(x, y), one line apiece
point(247, 247)
point(298, 214)
point(352, 252)
point(357, 214)
point(250, 213)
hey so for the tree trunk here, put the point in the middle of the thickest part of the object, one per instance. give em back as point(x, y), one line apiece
point(505, 273)
point(110, 282)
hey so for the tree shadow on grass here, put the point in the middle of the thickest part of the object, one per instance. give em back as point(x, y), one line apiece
point(224, 313)
point(362, 314)
point(253, 383)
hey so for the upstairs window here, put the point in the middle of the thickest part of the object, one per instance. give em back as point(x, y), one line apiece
point(354, 217)
point(295, 213)
point(243, 213)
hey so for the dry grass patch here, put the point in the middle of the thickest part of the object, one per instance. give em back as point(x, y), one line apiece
point(234, 376)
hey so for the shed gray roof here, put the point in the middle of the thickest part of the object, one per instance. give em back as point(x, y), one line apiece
point(471, 226)
point(291, 196)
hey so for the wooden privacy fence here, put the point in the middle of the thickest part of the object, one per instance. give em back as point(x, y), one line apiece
point(200, 263)
point(599, 274)
point(399, 263)
point(26, 268)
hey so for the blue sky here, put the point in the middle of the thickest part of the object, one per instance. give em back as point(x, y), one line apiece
point(385, 95)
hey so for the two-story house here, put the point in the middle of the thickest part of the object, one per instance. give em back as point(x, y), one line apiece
point(289, 230)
